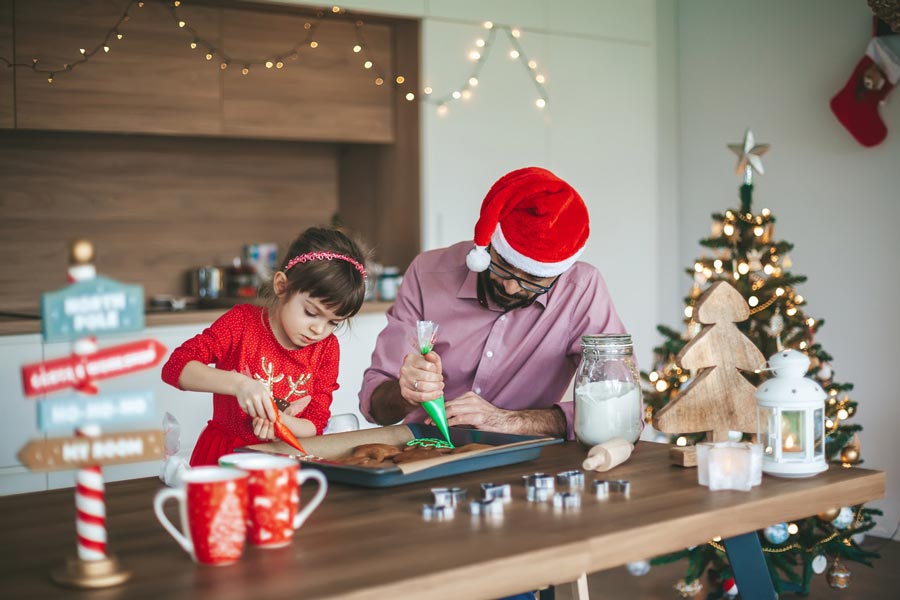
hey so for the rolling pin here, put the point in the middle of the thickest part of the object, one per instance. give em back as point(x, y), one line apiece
point(607, 455)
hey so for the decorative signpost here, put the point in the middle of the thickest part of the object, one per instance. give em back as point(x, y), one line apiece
point(89, 307)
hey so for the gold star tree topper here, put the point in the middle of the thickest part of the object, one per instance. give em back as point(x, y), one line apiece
point(749, 153)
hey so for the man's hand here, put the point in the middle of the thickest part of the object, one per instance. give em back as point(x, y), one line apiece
point(473, 410)
point(421, 378)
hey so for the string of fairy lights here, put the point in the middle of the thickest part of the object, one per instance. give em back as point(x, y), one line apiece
point(279, 60)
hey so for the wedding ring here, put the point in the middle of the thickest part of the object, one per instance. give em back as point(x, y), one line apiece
point(416, 385)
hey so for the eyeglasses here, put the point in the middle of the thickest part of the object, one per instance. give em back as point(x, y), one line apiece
point(528, 286)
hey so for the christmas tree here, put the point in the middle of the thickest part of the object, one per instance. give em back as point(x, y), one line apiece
point(743, 251)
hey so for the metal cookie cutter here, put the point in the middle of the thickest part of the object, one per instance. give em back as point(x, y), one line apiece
point(499, 491)
point(603, 488)
point(574, 479)
point(539, 487)
point(448, 496)
point(537, 479)
point(566, 500)
point(489, 507)
point(437, 512)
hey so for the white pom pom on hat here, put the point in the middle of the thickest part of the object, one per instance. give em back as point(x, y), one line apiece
point(478, 259)
point(536, 221)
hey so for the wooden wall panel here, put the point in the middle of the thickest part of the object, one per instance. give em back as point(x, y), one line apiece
point(154, 206)
point(7, 88)
point(323, 94)
point(149, 82)
point(380, 185)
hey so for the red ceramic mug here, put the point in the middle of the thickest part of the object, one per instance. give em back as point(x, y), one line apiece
point(274, 496)
point(213, 508)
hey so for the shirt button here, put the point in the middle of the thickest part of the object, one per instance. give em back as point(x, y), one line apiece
point(502, 317)
point(489, 354)
point(477, 390)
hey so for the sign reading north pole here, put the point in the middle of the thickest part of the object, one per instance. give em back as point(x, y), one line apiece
point(92, 307)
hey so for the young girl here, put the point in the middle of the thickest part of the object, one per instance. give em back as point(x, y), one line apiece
point(286, 349)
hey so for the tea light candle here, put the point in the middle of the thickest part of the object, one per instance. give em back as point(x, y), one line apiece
point(729, 467)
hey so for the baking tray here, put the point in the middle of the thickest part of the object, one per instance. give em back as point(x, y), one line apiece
point(509, 449)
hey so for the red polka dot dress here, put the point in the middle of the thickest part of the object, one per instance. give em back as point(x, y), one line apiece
point(241, 340)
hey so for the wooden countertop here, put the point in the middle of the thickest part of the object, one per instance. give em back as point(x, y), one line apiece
point(373, 543)
point(21, 326)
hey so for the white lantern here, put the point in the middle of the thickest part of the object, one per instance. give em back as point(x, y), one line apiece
point(791, 410)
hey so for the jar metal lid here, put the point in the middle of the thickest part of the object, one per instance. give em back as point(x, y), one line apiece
point(606, 340)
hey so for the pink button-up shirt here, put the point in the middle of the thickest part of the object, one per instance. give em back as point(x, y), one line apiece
point(522, 359)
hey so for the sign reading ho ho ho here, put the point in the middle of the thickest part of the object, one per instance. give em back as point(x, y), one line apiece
point(92, 307)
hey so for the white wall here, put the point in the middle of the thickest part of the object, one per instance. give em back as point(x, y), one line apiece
point(599, 131)
point(773, 66)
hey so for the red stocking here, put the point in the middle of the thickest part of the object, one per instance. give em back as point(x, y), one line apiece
point(856, 105)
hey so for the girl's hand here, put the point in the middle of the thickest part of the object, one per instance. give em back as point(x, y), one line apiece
point(254, 399)
point(421, 377)
point(298, 406)
point(263, 429)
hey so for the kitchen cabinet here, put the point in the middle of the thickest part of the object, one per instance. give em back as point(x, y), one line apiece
point(7, 90)
point(323, 94)
point(151, 81)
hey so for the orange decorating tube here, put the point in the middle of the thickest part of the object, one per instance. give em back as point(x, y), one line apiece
point(285, 434)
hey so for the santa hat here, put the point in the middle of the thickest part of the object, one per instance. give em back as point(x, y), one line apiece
point(536, 221)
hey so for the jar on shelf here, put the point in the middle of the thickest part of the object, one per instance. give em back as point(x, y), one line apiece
point(608, 401)
point(388, 284)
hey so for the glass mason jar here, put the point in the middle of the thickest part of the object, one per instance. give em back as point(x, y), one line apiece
point(608, 400)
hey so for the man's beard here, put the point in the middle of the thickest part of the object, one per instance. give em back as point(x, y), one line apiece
point(497, 293)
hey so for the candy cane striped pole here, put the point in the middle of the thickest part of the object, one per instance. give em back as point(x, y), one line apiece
point(90, 507)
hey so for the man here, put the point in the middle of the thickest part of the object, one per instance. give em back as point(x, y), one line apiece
point(511, 313)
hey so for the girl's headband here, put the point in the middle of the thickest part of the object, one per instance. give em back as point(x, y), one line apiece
point(302, 258)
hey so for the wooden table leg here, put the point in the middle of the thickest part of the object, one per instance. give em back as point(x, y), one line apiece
point(573, 590)
point(749, 565)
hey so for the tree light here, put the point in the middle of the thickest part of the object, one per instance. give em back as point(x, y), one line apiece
point(540, 103)
point(540, 79)
point(357, 48)
point(479, 42)
point(474, 55)
point(427, 90)
point(516, 33)
point(442, 110)
point(473, 81)
point(410, 97)
point(488, 25)
point(514, 54)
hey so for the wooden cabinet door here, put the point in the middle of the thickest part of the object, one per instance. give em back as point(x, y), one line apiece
point(7, 91)
point(149, 82)
point(323, 93)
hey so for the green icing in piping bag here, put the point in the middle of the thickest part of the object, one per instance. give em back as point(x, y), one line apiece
point(425, 331)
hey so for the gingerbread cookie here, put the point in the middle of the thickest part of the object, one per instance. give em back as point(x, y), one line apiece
point(376, 452)
point(414, 454)
point(470, 448)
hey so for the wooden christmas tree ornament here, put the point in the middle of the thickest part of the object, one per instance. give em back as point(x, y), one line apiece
point(719, 399)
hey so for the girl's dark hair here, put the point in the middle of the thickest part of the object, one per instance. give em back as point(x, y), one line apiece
point(337, 283)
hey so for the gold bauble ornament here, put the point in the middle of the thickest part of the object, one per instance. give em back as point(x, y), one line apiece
point(82, 252)
point(838, 576)
point(830, 514)
point(688, 590)
point(850, 455)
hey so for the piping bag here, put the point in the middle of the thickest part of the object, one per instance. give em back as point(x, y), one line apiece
point(285, 434)
point(425, 334)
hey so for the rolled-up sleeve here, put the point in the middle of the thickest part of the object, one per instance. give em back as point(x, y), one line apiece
point(395, 341)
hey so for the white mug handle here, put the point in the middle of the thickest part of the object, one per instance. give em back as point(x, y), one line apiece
point(302, 476)
point(158, 502)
